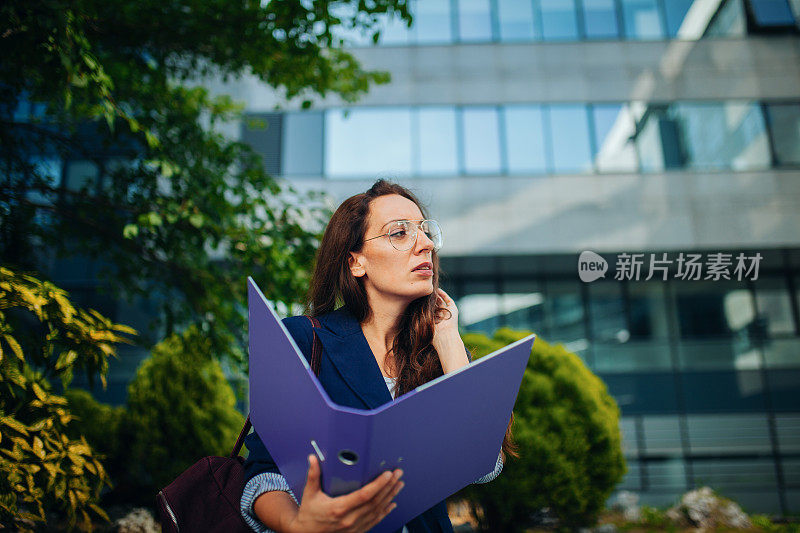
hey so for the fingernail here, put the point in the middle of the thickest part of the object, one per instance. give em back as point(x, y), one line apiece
point(398, 474)
point(387, 475)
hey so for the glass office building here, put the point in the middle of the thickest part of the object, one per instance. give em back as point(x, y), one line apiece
point(538, 129)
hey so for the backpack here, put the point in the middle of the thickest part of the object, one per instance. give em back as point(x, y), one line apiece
point(205, 497)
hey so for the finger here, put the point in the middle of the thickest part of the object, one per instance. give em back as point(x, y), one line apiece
point(367, 492)
point(312, 478)
point(386, 500)
point(384, 496)
point(445, 296)
point(384, 512)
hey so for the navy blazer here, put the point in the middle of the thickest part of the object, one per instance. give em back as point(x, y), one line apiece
point(351, 376)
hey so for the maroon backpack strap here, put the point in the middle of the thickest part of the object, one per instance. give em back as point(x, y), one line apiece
point(242, 434)
point(316, 350)
point(316, 357)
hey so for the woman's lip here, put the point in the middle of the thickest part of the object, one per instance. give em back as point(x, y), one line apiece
point(423, 271)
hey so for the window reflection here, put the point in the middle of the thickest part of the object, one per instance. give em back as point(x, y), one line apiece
point(302, 143)
point(729, 22)
point(481, 140)
point(432, 22)
point(367, 142)
point(569, 130)
point(665, 474)
point(474, 20)
point(703, 136)
point(614, 150)
point(436, 141)
point(559, 20)
point(479, 307)
point(772, 12)
point(642, 20)
point(600, 19)
point(648, 311)
point(709, 309)
point(774, 305)
point(538, 139)
point(784, 125)
point(524, 135)
point(516, 20)
point(726, 135)
point(564, 312)
point(675, 11)
point(607, 312)
point(523, 306)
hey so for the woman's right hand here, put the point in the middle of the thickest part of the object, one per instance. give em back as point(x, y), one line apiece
point(355, 512)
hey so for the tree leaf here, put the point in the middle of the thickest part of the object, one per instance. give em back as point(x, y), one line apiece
point(15, 347)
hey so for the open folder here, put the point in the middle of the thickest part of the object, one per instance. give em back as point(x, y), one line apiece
point(444, 434)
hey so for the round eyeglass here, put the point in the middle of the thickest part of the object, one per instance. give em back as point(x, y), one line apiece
point(403, 234)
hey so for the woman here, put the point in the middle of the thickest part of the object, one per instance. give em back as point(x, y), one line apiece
point(395, 331)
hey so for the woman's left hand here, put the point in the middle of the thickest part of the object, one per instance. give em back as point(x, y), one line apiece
point(446, 339)
point(447, 324)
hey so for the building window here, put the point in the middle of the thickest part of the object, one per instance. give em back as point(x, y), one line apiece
point(642, 20)
point(559, 20)
point(600, 19)
point(263, 132)
point(432, 22)
point(613, 149)
point(771, 13)
point(774, 305)
point(524, 136)
point(676, 11)
point(302, 143)
point(474, 20)
point(784, 126)
point(517, 21)
point(722, 135)
point(367, 142)
point(436, 141)
point(481, 140)
point(569, 130)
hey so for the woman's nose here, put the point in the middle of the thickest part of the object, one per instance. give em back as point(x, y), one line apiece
point(423, 241)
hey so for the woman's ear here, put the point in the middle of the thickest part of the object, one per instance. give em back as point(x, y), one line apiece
point(355, 262)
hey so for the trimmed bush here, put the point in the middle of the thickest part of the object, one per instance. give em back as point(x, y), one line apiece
point(567, 428)
point(101, 424)
point(180, 409)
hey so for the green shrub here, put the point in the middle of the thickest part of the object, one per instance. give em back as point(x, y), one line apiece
point(101, 424)
point(180, 409)
point(567, 429)
point(48, 471)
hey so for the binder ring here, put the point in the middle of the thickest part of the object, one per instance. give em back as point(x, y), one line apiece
point(348, 457)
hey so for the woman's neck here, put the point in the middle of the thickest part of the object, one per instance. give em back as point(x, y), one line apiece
point(380, 329)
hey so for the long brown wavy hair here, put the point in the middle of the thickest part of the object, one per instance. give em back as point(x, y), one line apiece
point(415, 359)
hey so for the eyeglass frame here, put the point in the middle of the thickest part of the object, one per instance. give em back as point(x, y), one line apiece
point(417, 227)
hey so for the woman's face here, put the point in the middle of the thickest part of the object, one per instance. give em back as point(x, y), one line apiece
point(386, 271)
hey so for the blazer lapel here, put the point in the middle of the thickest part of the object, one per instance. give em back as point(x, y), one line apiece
point(348, 350)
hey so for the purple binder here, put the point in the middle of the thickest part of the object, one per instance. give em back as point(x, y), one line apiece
point(444, 434)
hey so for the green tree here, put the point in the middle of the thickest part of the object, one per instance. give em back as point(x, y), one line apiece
point(181, 211)
point(46, 471)
point(567, 428)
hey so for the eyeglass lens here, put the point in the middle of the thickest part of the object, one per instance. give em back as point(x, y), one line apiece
point(402, 234)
